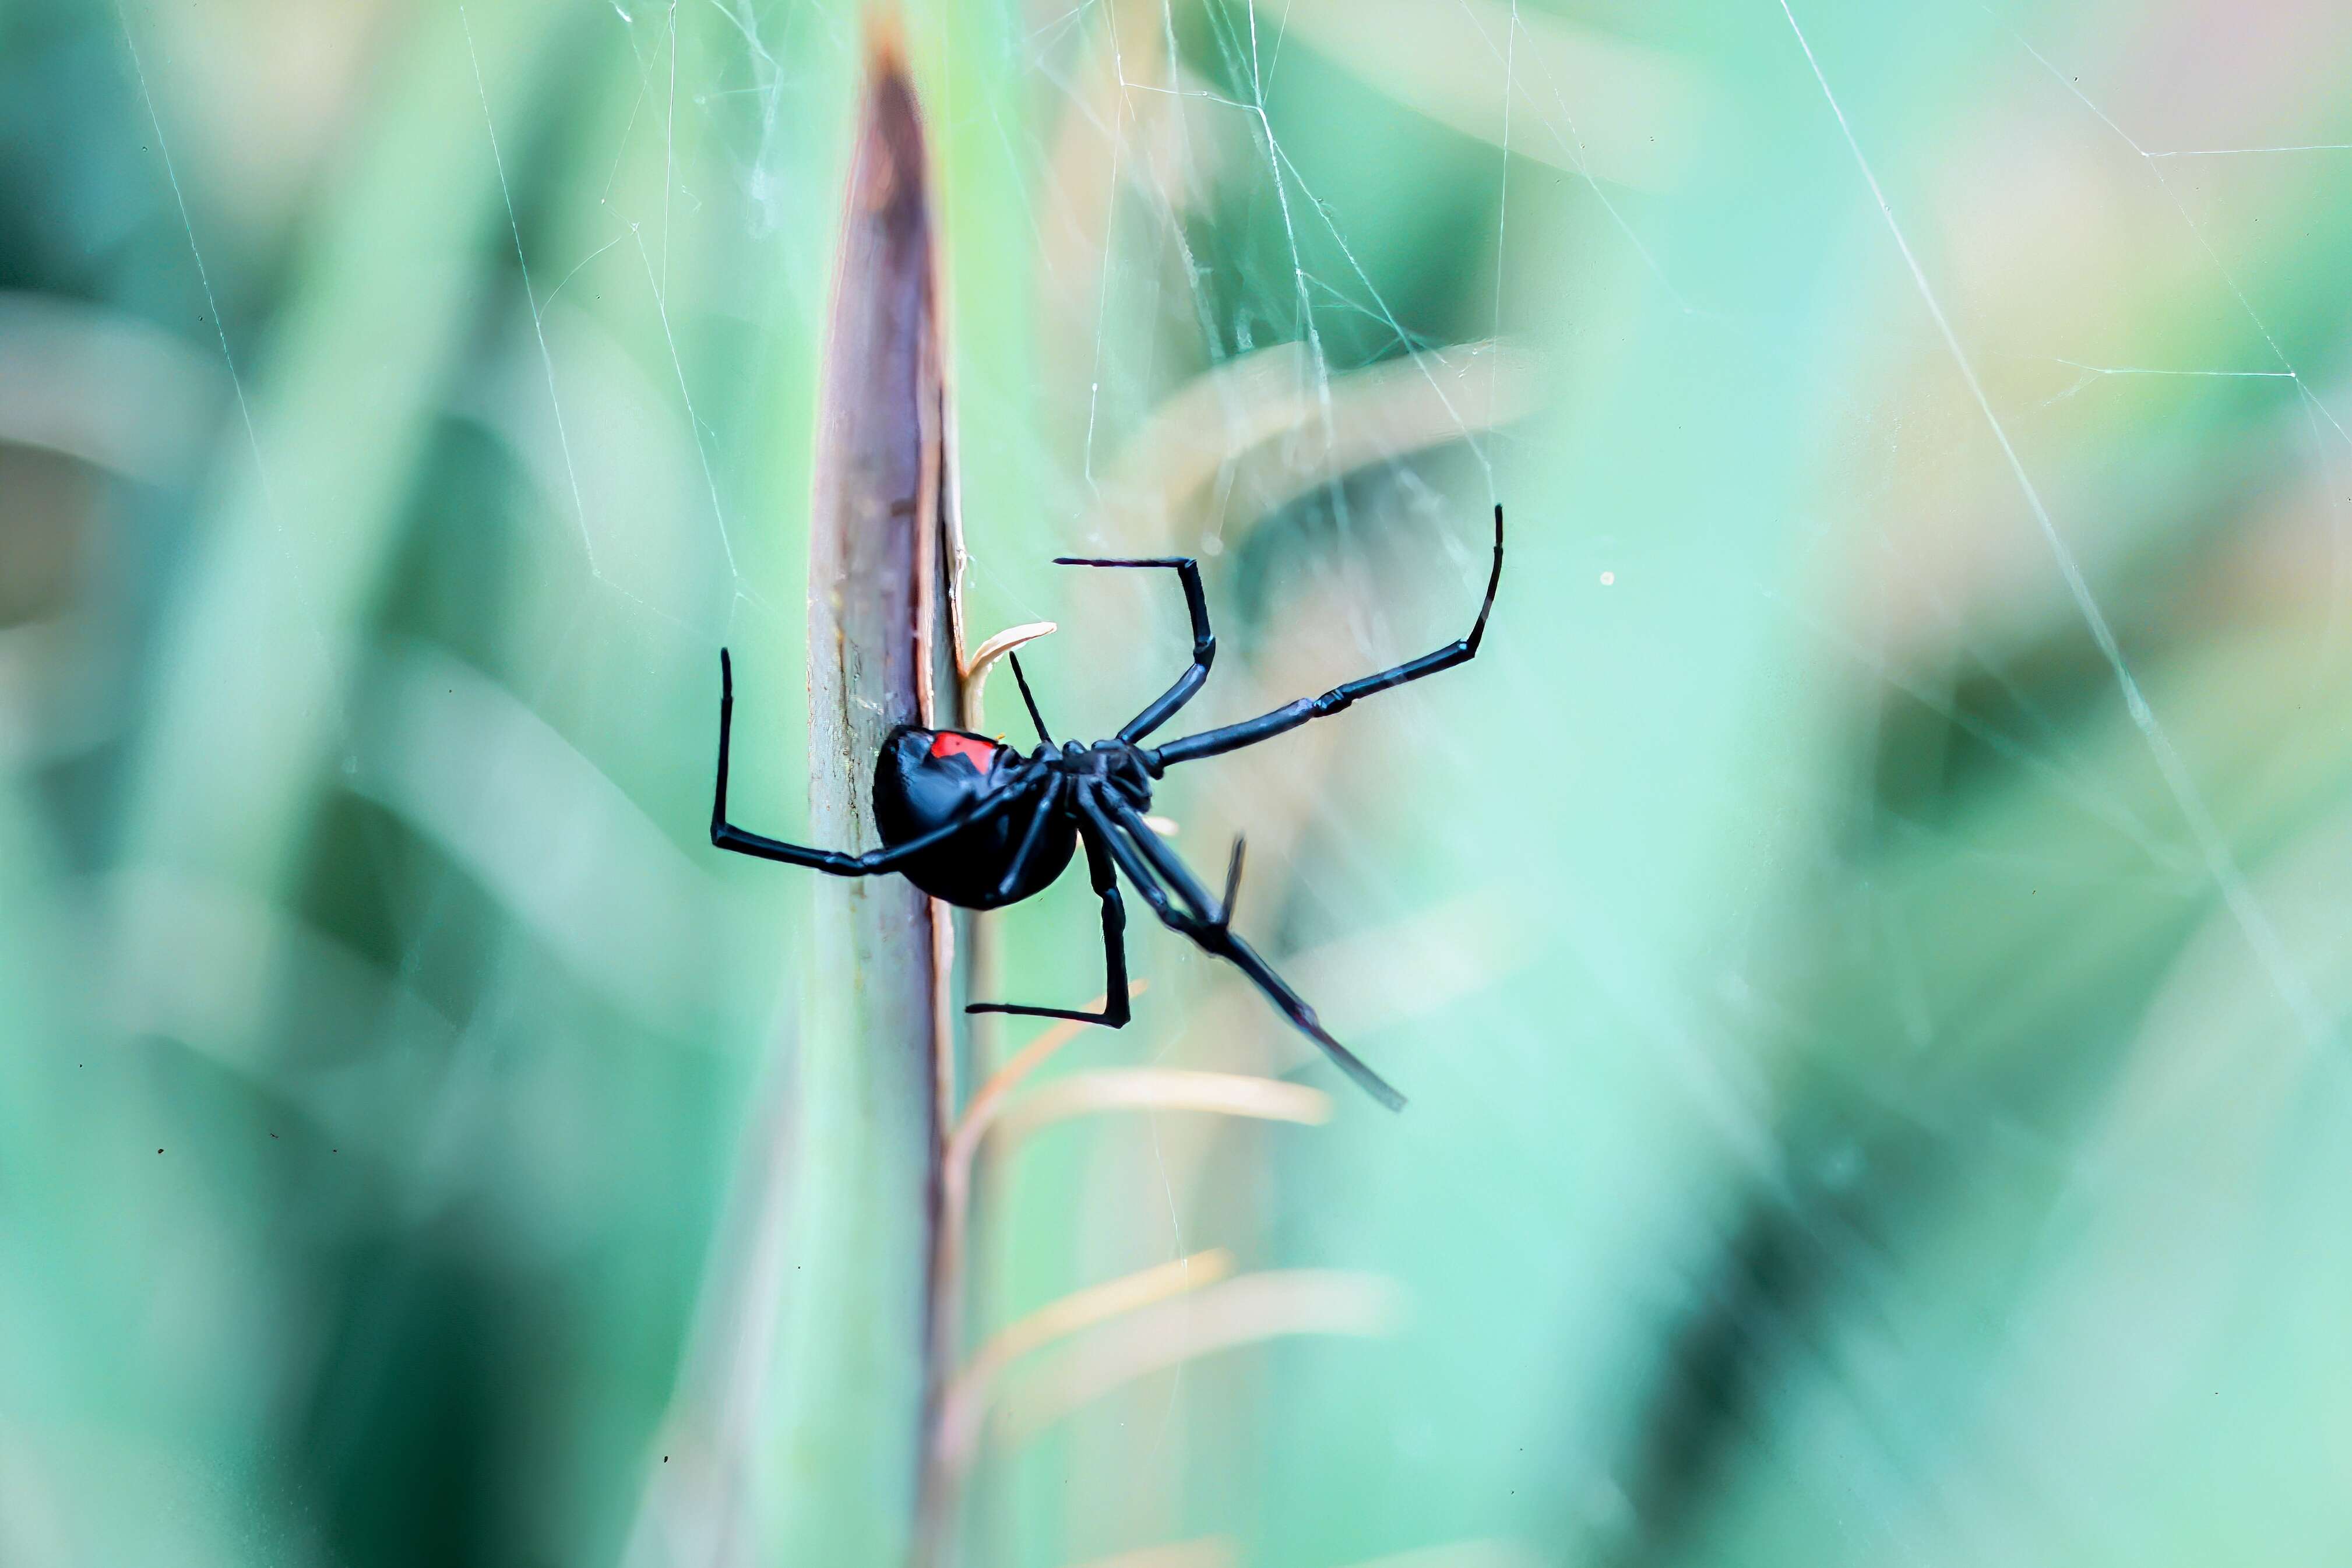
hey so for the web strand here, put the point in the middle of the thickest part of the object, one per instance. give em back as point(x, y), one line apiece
point(2261, 936)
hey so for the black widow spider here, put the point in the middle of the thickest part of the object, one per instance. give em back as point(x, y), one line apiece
point(970, 820)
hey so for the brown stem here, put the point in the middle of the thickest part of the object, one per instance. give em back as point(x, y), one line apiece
point(860, 1378)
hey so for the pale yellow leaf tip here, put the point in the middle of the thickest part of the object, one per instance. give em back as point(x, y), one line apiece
point(975, 671)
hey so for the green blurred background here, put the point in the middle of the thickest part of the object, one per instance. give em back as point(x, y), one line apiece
point(1867, 944)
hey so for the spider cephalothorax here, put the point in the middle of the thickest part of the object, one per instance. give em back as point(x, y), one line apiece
point(973, 822)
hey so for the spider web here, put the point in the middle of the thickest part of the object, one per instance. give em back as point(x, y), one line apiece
point(1858, 941)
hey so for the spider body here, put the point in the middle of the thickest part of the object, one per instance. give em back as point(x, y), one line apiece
point(978, 824)
point(930, 780)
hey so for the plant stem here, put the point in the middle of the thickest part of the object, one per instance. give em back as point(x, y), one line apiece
point(857, 1380)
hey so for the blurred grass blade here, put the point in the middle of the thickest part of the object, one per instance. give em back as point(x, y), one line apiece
point(856, 1373)
point(304, 517)
point(1306, 427)
point(471, 768)
point(1588, 103)
point(103, 386)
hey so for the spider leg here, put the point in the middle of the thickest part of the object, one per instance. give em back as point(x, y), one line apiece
point(836, 863)
point(1029, 701)
point(1055, 788)
point(1115, 1012)
point(1146, 860)
point(1204, 643)
point(1232, 882)
point(1249, 732)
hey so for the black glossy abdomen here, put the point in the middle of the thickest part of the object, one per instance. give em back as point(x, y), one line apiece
point(918, 785)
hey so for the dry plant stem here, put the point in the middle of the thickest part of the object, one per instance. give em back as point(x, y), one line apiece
point(938, 1499)
point(988, 1102)
point(1209, 1551)
point(975, 670)
point(957, 1426)
point(958, 1436)
point(855, 1380)
point(1223, 1316)
point(955, 1167)
point(1164, 1089)
point(1486, 1552)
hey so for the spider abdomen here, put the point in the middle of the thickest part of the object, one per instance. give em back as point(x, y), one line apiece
point(926, 778)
